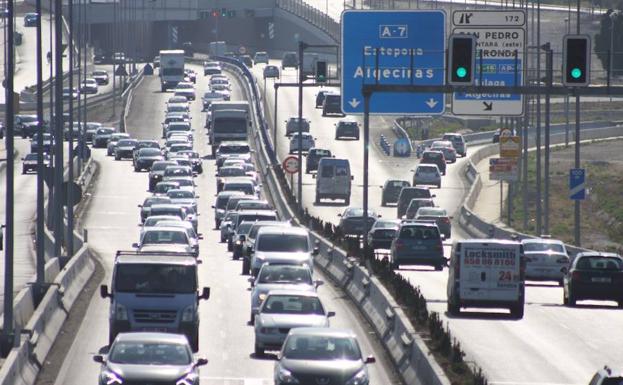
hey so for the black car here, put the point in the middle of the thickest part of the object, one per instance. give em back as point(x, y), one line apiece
point(320, 97)
point(156, 173)
point(29, 162)
point(313, 157)
point(145, 143)
point(149, 358)
point(594, 275)
point(21, 120)
point(195, 160)
point(290, 59)
point(351, 221)
point(391, 190)
point(435, 157)
point(332, 105)
point(47, 142)
point(30, 19)
point(146, 157)
point(125, 148)
point(346, 128)
point(382, 233)
point(30, 128)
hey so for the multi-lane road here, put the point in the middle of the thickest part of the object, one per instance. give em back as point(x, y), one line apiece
point(225, 337)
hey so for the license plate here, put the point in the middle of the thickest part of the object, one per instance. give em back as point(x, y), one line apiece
point(601, 279)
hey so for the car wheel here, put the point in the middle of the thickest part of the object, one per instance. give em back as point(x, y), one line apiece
point(517, 310)
point(252, 318)
point(230, 246)
point(23, 171)
point(194, 341)
point(223, 239)
point(246, 266)
point(117, 157)
point(383, 203)
point(438, 185)
point(347, 201)
point(136, 169)
point(317, 199)
point(454, 309)
point(620, 304)
point(259, 351)
point(357, 137)
point(571, 299)
point(395, 265)
point(438, 267)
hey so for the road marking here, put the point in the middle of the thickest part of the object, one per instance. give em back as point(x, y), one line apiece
point(528, 383)
point(235, 381)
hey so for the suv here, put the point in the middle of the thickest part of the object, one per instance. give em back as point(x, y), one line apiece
point(292, 125)
point(260, 57)
point(282, 245)
point(320, 97)
point(407, 194)
point(290, 59)
point(418, 243)
point(457, 142)
point(313, 157)
point(435, 157)
point(347, 128)
point(155, 291)
point(332, 105)
point(391, 190)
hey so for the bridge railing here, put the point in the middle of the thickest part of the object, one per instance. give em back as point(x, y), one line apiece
point(312, 15)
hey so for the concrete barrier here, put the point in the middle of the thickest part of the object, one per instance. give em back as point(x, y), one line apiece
point(17, 368)
point(412, 358)
point(74, 276)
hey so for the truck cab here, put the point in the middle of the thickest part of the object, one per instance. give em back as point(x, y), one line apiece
point(155, 291)
point(171, 68)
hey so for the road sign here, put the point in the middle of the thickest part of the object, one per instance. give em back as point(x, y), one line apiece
point(402, 147)
point(503, 169)
point(409, 47)
point(291, 165)
point(577, 187)
point(501, 38)
point(510, 146)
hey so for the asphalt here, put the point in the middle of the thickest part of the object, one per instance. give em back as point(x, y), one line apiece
point(225, 338)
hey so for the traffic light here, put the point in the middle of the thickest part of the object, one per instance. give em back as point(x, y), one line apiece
point(223, 12)
point(576, 53)
point(461, 59)
point(215, 13)
point(321, 71)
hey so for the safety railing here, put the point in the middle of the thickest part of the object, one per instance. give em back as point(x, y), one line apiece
point(312, 15)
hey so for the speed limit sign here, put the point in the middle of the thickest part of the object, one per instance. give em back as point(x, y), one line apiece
point(291, 165)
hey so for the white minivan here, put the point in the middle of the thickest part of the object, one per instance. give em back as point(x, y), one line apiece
point(333, 180)
point(487, 273)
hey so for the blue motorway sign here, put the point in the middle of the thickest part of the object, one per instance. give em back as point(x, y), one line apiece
point(577, 179)
point(407, 46)
point(402, 147)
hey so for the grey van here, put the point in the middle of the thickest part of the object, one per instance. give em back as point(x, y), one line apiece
point(409, 193)
point(333, 180)
point(155, 291)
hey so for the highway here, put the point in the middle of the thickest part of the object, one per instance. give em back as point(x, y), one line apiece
point(225, 338)
point(552, 344)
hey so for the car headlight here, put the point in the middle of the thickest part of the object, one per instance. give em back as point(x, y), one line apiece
point(360, 378)
point(188, 315)
point(286, 377)
point(189, 379)
point(121, 313)
point(111, 378)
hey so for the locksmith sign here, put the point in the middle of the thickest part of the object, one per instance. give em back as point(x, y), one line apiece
point(393, 48)
point(500, 43)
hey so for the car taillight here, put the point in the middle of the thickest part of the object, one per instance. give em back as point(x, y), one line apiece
point(576, 275)
point(522, 268)
point(445, 220)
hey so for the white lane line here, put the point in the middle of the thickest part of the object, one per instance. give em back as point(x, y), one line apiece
point(236, 381)
point(529, 383)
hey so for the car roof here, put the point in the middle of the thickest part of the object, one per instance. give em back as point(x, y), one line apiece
point(156, 206)
point(542, 240)
point(137, 257)
point(229, 193)
point(417, 223)
point(283, 230)
point(300, 293)
point(493, 241)
point(323, 332)
point(597, 254)
point(152, 337)
point(164, 228)
point(257, 212)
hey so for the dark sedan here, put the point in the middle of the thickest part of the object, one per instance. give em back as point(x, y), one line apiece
point(351, 221)
point(383, 233)
point(29, 162)
point(391, 191)
point(125, 148)
point(313, 157)
point(149, 358)
point(146, 157)
point(594, 275)
point(321, 356)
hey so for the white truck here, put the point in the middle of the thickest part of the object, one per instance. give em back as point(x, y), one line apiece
point(171, 68)
point(228, 125)
point(217, 48)
point(487, 273)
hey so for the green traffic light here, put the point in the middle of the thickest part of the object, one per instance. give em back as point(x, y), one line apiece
point(576, 73)
point(461, 72)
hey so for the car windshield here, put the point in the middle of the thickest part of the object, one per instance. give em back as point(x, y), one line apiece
point(153, 221)
point(158, 237)
point(385, 224)
point(148, 353)
point(31, 157)
point(164, 187)
point(427, 169)
point(28, 118)
point(231, 171)
point(127, 143)
point(155, 200)
point(167, 211)
point(149, 152)
point(292, 304)
point(285, 274)
point(177, 171)
point(183, 182)
point(599, 263)
point(313, 347)
point(418, 233)
point(433, 212)
point(282, 243)
point(234, 149)
point(247, 188)
point(161, 166)
point(244, 228)
point(543, 247)
point(253, 205)
point(180, 194)
point(357, 212)
point(104, 131)
point(155, 278)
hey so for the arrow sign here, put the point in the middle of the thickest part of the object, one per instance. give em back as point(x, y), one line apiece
point(431, 103)
point(488, 106)
point(354, 103)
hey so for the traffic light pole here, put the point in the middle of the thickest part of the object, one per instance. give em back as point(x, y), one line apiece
point(576, 208)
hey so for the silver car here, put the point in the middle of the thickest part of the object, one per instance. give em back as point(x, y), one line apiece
point(165, 239)
point(545, 259)
point(283, 310)
point(427, 174)
point(307, 142)
point(287, 245)
point(112, 142)
point(278, 277)
point(447, 148)
point(220, 205)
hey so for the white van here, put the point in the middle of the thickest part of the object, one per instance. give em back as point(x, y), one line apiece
point(333, 180)
point(488, 273)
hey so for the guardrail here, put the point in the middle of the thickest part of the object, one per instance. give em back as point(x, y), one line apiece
point(313, 16)
point(410, 355)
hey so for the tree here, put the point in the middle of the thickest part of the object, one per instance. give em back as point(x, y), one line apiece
point(611, 25)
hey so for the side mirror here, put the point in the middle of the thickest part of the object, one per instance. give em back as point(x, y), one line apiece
point(135, 245)
point(98, 358)
point(141, 206)
point(352, 177)
point(564, 270)
point(213, 206)
point(433, 196)
point(251, 281)
point(201, 361)
point(313, 176)
point(316, 251)
point(331, 314)
point(318, 283)
point(200, 237)
point(104, 291)
point(339, 215)
point(370, 360)
point(205, 293)
point(378, 216)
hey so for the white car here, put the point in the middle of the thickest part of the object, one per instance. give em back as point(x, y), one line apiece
point(308, 141)
point(88, 86)
point(427, 174)
point(545, 259)
point(189, 93)
point(447, 148)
